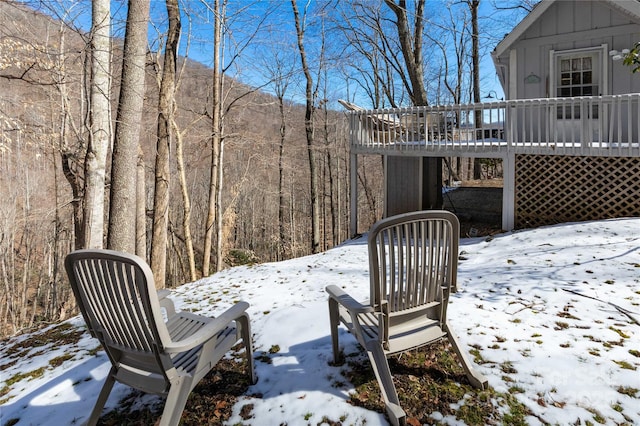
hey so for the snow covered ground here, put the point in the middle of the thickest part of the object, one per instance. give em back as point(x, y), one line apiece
point(553, 311)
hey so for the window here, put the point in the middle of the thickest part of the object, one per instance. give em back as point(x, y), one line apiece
point(576, 77)
point(577, 73)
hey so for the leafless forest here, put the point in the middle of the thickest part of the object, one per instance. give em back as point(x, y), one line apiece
point(42, 133)
point(225, 173)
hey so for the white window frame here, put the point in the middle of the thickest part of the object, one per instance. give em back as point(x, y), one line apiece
point(600, 59)
point(567, 117)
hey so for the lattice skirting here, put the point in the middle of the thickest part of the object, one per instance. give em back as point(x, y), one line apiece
point(553, 189)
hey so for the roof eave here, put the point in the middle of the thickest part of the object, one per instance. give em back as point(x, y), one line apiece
point(522, 26)
point(631, 8)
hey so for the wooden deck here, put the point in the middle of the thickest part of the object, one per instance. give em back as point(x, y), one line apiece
point(597, 126)
point(593, 126)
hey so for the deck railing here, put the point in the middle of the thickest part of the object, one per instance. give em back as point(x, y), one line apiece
point(595, 125)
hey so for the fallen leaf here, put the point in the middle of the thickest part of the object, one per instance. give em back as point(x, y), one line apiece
point(412, 421)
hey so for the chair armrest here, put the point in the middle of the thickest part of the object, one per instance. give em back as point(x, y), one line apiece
point(166, 302)
point(344, 299)
point(162, 293)
point(209, 330)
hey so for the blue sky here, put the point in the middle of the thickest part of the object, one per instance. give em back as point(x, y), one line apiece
point(274, 20)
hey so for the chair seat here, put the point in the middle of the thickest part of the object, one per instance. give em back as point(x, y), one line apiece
point(402, 337)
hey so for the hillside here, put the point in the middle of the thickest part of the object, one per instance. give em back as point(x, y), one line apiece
point(550, 316)
point(43, 139)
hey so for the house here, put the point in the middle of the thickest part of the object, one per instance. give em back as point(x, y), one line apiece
point(567, 133)
point(561, 49)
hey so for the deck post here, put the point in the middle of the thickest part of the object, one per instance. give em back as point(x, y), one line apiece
point(508, 191)
point(353, 188)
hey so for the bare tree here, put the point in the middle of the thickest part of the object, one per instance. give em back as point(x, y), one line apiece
point(166, 101)
point(186, 200)
point(452, 41)
point(179, 134)
point(279, 70)
point(371, 53)
point(281, 90)
point(141, 208)
point(411, 42)
point(224, 96)
point(216, 140)
point(38, 141)
point(309, 130)
point(122, 217)
point(475, 57)
point(523, 5)
point(100, 125)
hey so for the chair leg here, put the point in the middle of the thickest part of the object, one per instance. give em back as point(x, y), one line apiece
point(475, 377)
point(176, 401)
point(245, 331)
point(380, 365)
point(334, 320)
point(102, 397)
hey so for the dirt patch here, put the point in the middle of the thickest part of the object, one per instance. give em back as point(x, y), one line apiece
point(430, 380)
point(482, 183)
point(210, 403)
point(478, 205)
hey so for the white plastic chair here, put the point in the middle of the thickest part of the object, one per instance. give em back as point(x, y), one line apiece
point(118, 300)
point(413, 260)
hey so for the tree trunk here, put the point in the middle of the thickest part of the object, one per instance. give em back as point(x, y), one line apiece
point(475, 56)
point(308, 125)
point(281, 204)
point(166, 100)
point(411, 45)
point(141, 209)
point(186, 201)
point(219, 238)
point(330, 175)
point(215, 142)
point(122, 217)
point(100, 123)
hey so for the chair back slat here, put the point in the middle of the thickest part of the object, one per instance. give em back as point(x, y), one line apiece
point(413, 259)
point(112, 298)
point(127, 307)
